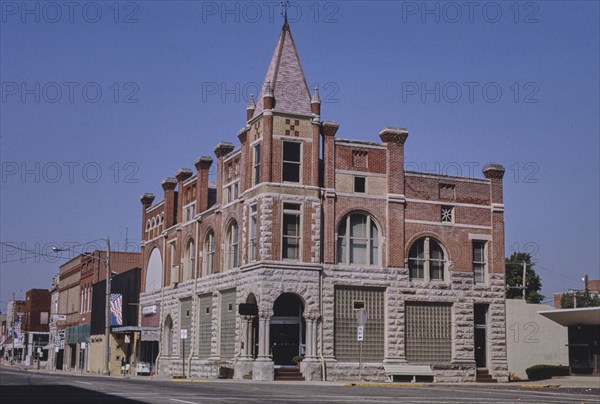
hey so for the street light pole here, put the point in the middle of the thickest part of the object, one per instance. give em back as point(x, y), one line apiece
point(107, 314)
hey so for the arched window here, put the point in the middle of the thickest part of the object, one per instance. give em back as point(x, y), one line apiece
point(358, 240)
point(189, 260)
point(154, 271)
point(209, 253)
point(231, 246)
point(426, 260)
point(167, 340)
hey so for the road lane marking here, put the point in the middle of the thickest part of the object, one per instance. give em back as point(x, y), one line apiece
point(182, 401)
point(77, 381)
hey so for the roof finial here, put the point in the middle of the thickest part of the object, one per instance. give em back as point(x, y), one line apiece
point(284, 13)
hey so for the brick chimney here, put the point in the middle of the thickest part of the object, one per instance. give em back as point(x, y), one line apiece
point(170, 208)
point(182, 174)
point(146, 200)
point(202, 164)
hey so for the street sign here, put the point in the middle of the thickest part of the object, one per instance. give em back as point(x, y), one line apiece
point(183, 333)
point(362, 317)
point(360, 333)
point(127, 339)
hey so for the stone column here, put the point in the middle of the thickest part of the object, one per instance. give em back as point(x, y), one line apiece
point(263, 367)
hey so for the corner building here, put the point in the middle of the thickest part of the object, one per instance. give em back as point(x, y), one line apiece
point(303, 228)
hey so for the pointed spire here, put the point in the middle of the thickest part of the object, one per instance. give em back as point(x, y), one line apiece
point(285, 5)
point(315, 97)
point(285, 78)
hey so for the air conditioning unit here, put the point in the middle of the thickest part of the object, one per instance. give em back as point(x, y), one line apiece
point(175, 274)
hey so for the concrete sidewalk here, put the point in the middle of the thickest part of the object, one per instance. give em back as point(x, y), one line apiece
point(577, 381)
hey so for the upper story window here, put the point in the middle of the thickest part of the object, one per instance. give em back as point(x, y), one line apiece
point(189, 260)
point(231, 245)
point(256, 164)
point(360, 184)
point(358, 240)
point(291, 233)
point(479, 261)
point(291, 161)
point(252, 233)
point(426, 260)
point(208, 266)
point(190, 212)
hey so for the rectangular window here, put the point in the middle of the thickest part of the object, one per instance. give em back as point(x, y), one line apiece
point(252, 238)
point(291, 161)
point(347, 301)
point(186, 324)
point(479, 261)
point(256, 165)
point(360, 185)
point(428, 332)
point(291, 231)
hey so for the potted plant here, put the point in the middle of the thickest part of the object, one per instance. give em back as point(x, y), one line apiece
point(297, 359)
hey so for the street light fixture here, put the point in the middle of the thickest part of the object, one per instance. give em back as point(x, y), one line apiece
point(106, 370)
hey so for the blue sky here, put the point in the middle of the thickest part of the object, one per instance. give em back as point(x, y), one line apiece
point(102, 101)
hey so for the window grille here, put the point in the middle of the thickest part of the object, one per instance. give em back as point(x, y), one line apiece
point(205, 326)
point(428, 332)
point(347, 301)
point(227, 325)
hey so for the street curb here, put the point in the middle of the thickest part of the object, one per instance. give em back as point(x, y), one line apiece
point(384, 385)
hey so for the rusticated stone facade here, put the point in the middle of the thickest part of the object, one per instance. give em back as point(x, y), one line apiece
point(308, 229)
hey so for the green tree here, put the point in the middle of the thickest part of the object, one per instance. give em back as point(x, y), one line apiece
point(514, 277)
point(583, 300)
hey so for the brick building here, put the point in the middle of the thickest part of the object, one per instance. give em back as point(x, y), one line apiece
point(76, 279)
point(36, 322)
point(303, 229)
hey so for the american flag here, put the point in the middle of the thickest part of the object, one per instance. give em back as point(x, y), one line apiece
point(116, 309)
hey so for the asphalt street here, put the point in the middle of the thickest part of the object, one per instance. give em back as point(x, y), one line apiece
point(21, 386)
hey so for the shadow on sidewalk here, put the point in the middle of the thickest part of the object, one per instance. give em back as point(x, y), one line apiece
point(22, 394)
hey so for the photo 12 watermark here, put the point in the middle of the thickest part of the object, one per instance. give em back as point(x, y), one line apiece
point(240, 92)
point(52, 252)
point(470, 12)
point(69, 12)
point(70, 172)
point(227, 12)
point(470, 92)
point(517, 172)
point(70, 92)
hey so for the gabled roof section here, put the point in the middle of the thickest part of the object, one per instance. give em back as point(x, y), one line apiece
point(286, 78)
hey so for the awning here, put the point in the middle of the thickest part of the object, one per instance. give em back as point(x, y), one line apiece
point(128, 328)
point(574, 317)
point(77, 334)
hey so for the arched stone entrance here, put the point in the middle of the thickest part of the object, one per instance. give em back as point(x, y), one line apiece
point(287, 329)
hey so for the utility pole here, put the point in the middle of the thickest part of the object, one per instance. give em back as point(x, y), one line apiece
point(12, 329)
point(524, 277)
point(107, 313)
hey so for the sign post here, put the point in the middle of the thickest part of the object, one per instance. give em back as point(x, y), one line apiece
point(183, 338)
point(361, 318)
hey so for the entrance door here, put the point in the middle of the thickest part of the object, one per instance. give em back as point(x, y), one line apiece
point(287, 329)
point(480, 315)
point(284, 342)
point(480, 354)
